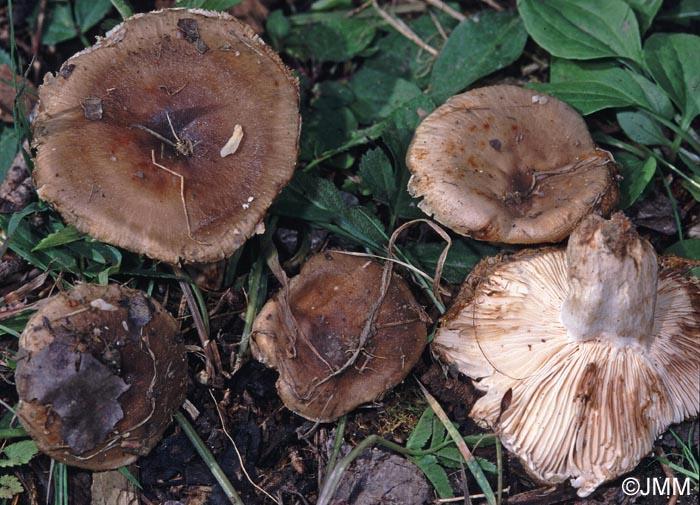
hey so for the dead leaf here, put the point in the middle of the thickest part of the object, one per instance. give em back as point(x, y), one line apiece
point(7, 94)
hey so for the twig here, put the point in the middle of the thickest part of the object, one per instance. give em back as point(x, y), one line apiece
point(437, 24)
point(440, 5)
point(208, 458)
point(403, 29)
point(670, 476)
point(493, 4)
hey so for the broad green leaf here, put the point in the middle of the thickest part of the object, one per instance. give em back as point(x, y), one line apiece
point(90, 12)
point(636, 176)
point(583, 29)
point(277, 25)
point(9, 486)
point(461, 258)
point(337, 39)
point(672, 61)
point(377, 94)
point(689, 248)
point(63, 236)
point(684, 12)
point(645, 10)
point(59, 25)
point(212, 5)
point(325, 130)
point(593, 86)
point(435, 474)
point(324, 5)
point(377, 174)
point(479, 46)
point(19, 453)
point(439, 433)
point(422, 432)
point(642, 128)
point(9, 142)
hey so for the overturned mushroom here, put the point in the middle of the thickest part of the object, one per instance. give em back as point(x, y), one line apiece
point(585, 355)
point(507, 164)
point(333, 345)
point(170, 137)
point(99, 374)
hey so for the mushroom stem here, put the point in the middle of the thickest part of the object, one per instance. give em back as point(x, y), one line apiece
point(613, 278)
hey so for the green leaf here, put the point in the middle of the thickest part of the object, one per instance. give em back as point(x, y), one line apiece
point(689, 248)
point(479, 46)
point(642, 128)
point(671, 59)
point(277, 25)
point(324, 130)
point(9, 141)
point(377, 94)
point(636, 176)
point(63, 236)
point(593, 86)
point(684, 12)
point(9, 486)
point(435, 474)
point(645, 10)
point(378, 175)
point(59, 24)
point(212, 5)
point(324, 5)
point(461, 257)
point(19, 453)
point(583, 29)
point(422, 432)
point(336, 39)
point(90, 12)
point(5, 58)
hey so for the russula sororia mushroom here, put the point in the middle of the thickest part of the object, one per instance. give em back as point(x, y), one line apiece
point(585, 355)
point(169, 137)
point(100, 372)
point(332, 350)
point(509, 164)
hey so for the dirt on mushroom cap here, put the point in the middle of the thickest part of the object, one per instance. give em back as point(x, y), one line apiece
point(508, 164)
point(130, 131)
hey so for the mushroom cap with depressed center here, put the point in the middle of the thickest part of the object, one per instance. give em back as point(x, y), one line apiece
point(100, 372)
point(568, 402)
point(169, 137)
point(310, 335)
point(509, 164)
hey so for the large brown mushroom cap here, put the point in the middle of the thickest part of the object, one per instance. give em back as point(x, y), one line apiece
point(329, 303)
point(100, 372)
point(569, 404)
point(215, 81)
point(509, 164)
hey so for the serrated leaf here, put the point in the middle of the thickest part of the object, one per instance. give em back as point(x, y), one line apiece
point(90, 12)
point(689, 248)
point(9, 486)
point(439, 433)
point(325, 130)
point(671, 59)
point(435, 474)
point(63, 236)
point(422, 432)
point(593, 86)
point(19, 453)
point(377, 174)
point(583, 29)
point(636, 176)
point(9, 142)
point(477, 47)
point(642, 128)
point(461, 258)
point(645, 10)
point(334, 39)
point(378, 94)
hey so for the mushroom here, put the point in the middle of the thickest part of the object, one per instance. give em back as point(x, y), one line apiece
point(585, 355)
point(337, 337)
point(169, 137)
point(508, 164)
point(100, 371)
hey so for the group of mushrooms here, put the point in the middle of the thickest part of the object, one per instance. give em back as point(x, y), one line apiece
point(172, 136)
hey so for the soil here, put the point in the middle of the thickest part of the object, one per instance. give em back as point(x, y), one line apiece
point(239, 415)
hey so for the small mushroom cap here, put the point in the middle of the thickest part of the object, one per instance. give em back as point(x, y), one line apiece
point(100, 372)
point(585, 410)
point(329, 302)
point(202, 81)
point(509, 164)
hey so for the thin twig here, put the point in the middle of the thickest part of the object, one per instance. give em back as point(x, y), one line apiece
point(493, 4)
point(439, 4)
point(403, 29)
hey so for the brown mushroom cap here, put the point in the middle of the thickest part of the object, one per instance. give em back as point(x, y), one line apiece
point(568, 403)
point(213, 79)
point(330, 302)
point(100, 372)
point(509, 164)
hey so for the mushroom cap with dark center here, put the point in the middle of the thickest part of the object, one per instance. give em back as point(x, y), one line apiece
point(130, 134)
point(587, 408)
point(509, 164)
point(330, 302)
point(100, 372)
